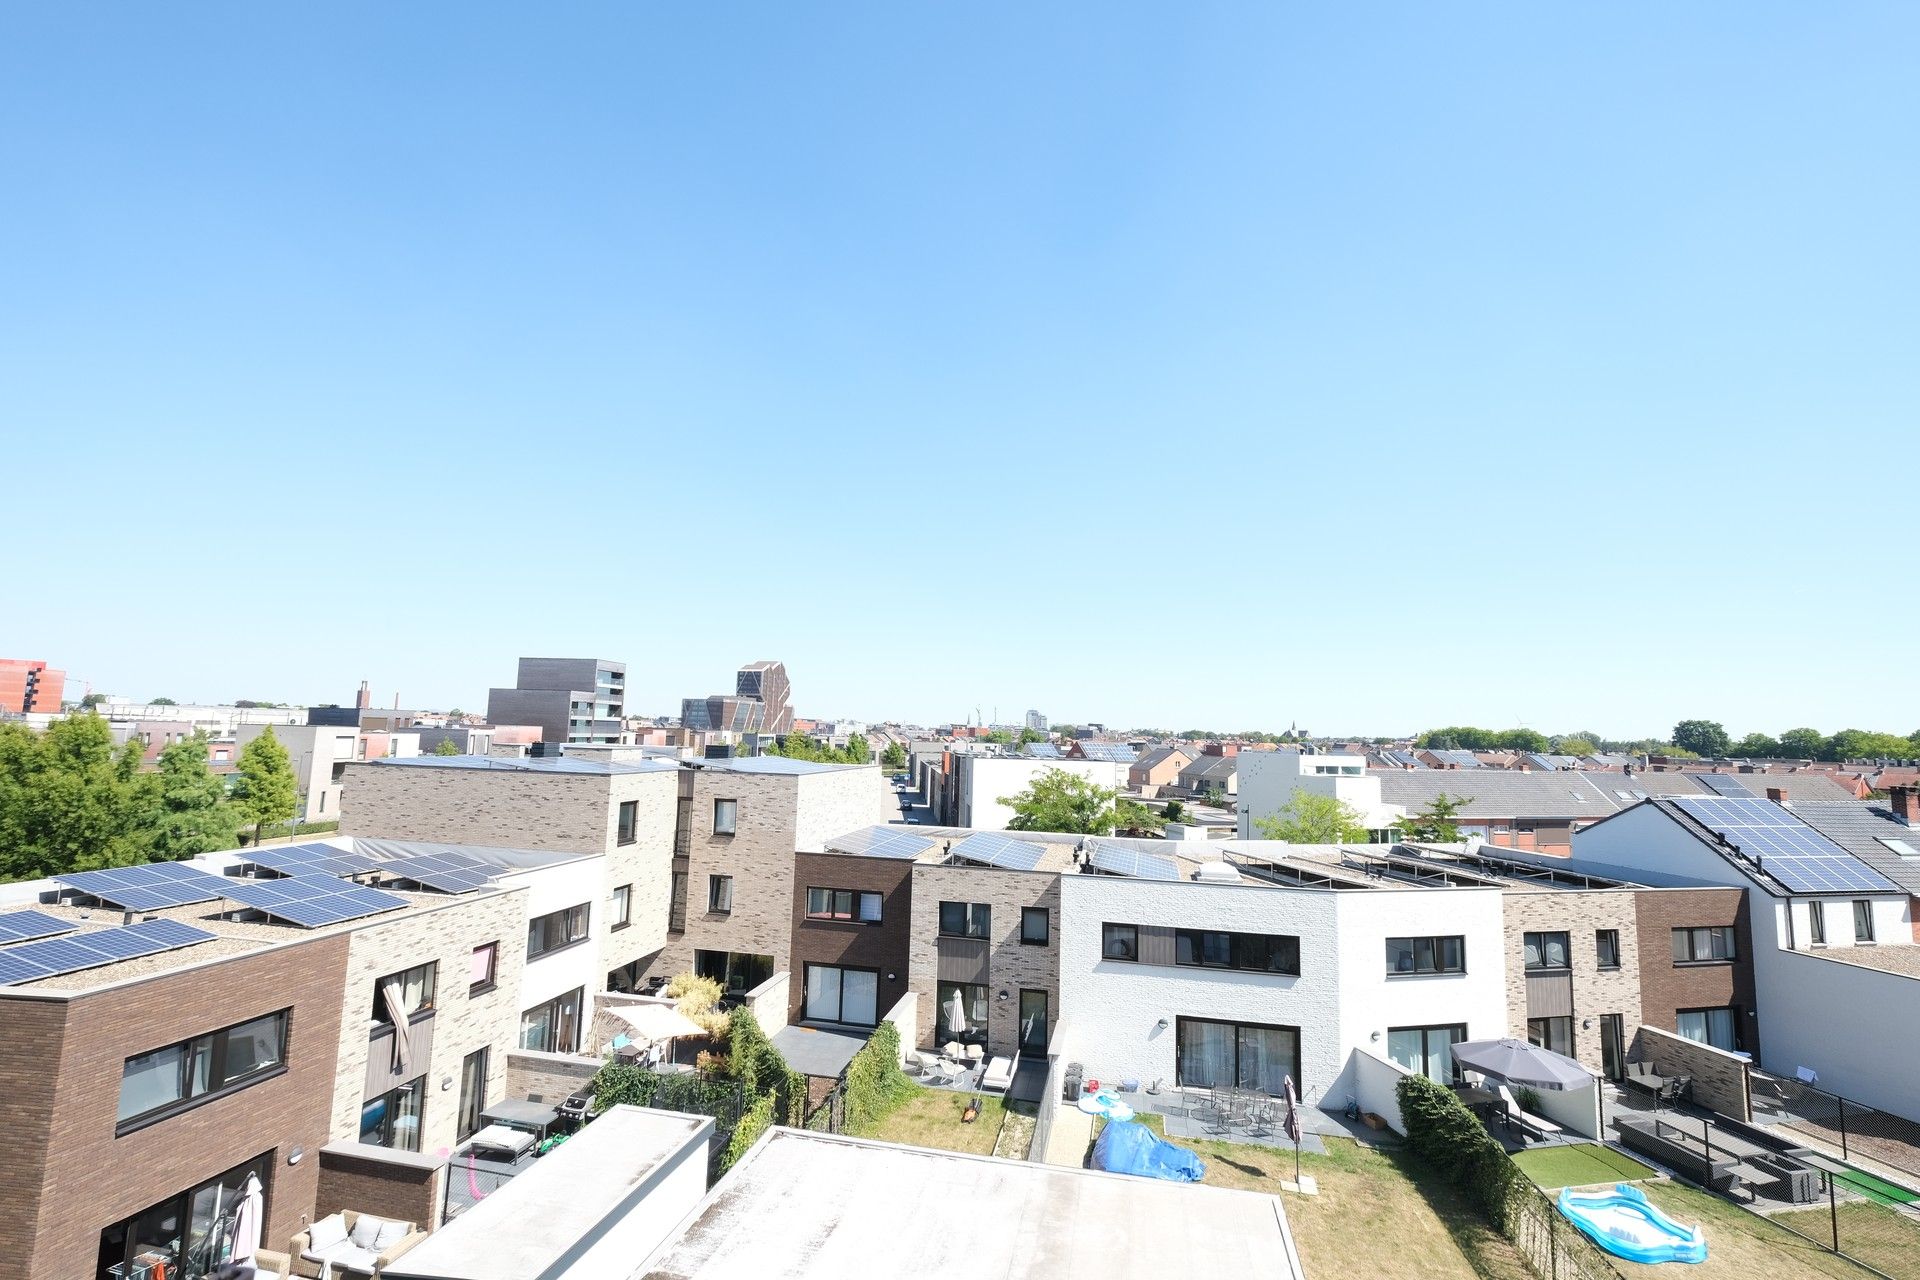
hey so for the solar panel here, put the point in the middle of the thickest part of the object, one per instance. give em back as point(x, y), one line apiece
point(1122, 861)
point(312, 901)
point(883, 842)
point(55, 956)
point(447, 872)
point(997, 850)
point(313, 860)
point(149, 887)
point(1723, 784)
point(1783, 846)
point(20, 926)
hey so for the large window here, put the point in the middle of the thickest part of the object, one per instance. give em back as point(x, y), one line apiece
point(393, 1118)
point(1551, 1033)
point(1119, 942)
point(966, 919)
point(737, 972)
point(473, 1094)
point(629, 820)
point(1544, 950)
point(404, 994)
point(188, 1232)
point(553, 1027)
point(555, 930)
point(836, 994)
point(719, 895)
point(1036, 926)
point(182, 1075)
point(1606, 948)
point(620, 907)
point(962, 1014)
point(1862, 920)
point(1427, 955)
point(1427, 1051)
point(1246, 1055)
point(1716, 1027)
point(843, 904)
point(726, 817)
point(1695, 946)
point(1253, 952)
point(1034, 1023)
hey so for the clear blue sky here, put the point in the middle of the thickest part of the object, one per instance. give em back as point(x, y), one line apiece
point(1213, 365)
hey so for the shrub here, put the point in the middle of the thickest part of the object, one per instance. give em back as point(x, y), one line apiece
point(692, 994)
point(760, 1068)
point(875, 1082)
point(757, 1120)
point(1450, 1138)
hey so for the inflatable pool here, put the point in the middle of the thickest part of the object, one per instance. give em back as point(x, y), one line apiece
point(1625, 1223)
point(1105, 1104)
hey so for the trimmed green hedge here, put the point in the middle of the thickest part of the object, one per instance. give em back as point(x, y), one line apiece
point(1451, 1138)
point(760, 1068)
point(875, 1082)
point(757, 1120)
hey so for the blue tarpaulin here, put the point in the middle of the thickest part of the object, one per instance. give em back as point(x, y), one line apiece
point(1127, 1147)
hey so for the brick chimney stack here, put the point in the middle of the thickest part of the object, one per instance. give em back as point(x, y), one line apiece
point(1778, 795)
point(366, 697)
point(1905, 803)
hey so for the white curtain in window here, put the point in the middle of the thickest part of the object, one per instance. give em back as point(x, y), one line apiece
point(823, 993)
point(860, 997)
point(869, 908)
point(1407, 1049)
point(1206, 1054)
point(1266, 1059)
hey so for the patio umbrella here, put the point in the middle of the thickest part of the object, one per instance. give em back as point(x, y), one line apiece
point(1292, 1127)
point(652, 1022)
point(956, 1010)
point(1518, 1062)
point(246, 1221)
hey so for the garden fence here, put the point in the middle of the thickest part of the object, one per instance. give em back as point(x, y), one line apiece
point(1552, 1246)
point(1852, 1128)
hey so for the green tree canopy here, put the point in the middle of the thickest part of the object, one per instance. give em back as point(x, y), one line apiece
point(1312, 818)
point(93, 699)
point(1061, 801)
point(1437, 823)
point(1756, 746)
point(1864, 744)
point(446, 747)
point(1576, 744)
point(1028, 736)
point(894, 758)
point(1701, 737)
point(161, 702)
point(70, 800)
point(857, 751)
point(190, 810)
point(265, 791)
point(1803, 744)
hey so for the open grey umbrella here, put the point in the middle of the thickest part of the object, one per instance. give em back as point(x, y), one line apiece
point(1518, 1062)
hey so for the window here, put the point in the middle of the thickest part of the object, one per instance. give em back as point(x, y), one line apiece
point(962, 1014)
point(1036, 926)
point(1862, 920)
point(165, 1081)
point(186, 1227)
point(620, 907)
point(836, 994)
point(553, 1027)
point(629, 819)
point(736, 971)
point(1606, 948)
point(1426, 955)
point(1817, 917)
point(483, 968)
point(1698, 946)
point(1427, 1051)
point(1708, 1026)
point(1245, 1055)
point(555, 930)
point(1555, 1034)
point(1255, 952)
point(473, 1095)
point(404, 994)
point(393, 1118)
point(1033, 1021)
point(726, 817)
point(1544, 950)
point(966, 919)
point(719, 895)
point(1119, 942)
point(843, 904)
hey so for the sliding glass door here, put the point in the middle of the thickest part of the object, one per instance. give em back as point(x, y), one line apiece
point(835, 994)
point(1245, 1055)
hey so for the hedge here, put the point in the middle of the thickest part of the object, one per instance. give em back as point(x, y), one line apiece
point(1451, 1138)
point(757, 1120)
point(760, 1068)
point(875, 1082)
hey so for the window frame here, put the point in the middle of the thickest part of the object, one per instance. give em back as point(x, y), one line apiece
point(1816, 922)
point(1545, 1041)
point(416, 1088)
point(627, 824)
point(856, 902)
point(1181, 1023)
point(806, 989)
point(215, 1045)
point(733, 816)
point(1862, 922)
point(1733, 1024)
point(492, 980)
point(552, 1008)
point(1537, 942)
point(620, 908)
point(1437, 949)
point(543, 925)
point(1602, 939)
point(982, 911)
point(1046, 927)
point(432, 986)
point(1427, 1032)
point(1720, 932)
point(715, 886)
point(1235, 949)
point(1109, 934)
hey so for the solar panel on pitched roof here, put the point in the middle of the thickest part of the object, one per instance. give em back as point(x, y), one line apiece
point(449, 873)
point(1722, 784)
point(149, 887)
point(313, 859)
point(1783, 846)
point(312, 901)
point(55, 956)
point(1122, 861)
point(21, 926)
point(997, 850)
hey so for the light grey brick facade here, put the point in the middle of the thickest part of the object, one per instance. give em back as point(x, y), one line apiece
point(1580, 914)
point(1011, 965)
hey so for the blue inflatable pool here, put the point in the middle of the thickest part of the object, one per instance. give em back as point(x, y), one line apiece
point(1625, 1223)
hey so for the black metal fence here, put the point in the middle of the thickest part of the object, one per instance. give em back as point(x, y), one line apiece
point(1852, 1128)
point(1553, 1246)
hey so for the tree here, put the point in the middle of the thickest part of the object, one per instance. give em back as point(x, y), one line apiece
point(857, 751)
point(1174, 812)
point(1060, 801)
point(457, 714)
point(446, 747)
point(1863, 744)
point(1702, 737)
point(265, 791)
point(93, 700)
point(894, 758)
point(1756, 746)
point(1313, 818)
point(161, 702)
point(69, 799)
point(1028, 736)
point(1436, 823)
point(1521, 740)
point(190, 810)
point(1802, 744)
point(1576, 744)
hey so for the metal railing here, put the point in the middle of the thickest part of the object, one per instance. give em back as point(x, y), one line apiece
point(1552, 1246)
point(1852, 1128)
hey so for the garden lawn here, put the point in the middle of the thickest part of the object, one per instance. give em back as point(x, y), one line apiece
point(931, 1118)
point(1584, 1165)
point(1740, 1245)
point(1872, 1233)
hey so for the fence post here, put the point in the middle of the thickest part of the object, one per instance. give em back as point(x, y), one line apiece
point(1841, 1109)
point(1833, 1210)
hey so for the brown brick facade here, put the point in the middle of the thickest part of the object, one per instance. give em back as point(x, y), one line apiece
point(1012, 965)
point(1665, 987)
point(390, 1185)
point(882, 947)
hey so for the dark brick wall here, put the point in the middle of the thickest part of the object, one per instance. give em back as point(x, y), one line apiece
point(1665, 987)
point(386, 1189)
point(864, 946)
point(87, 1178)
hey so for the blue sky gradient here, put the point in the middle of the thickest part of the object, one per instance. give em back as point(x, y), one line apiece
point(1224, 365)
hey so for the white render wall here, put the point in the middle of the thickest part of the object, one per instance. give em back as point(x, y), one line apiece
point(1858, 1028)
point(1342, 996)
point(991, 777)
point(1268, 780)
point(551, 889)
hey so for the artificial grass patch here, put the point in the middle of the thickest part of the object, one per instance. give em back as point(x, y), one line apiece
point(1581, 1165)
point(1879, 1190)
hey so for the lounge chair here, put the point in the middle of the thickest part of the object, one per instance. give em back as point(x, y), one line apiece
point(999, 1075)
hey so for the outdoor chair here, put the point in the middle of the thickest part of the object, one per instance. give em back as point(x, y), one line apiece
point(1260, 1118)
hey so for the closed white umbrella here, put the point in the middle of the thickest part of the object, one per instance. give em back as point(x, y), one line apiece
point(246, 1221)
point(956, 1014)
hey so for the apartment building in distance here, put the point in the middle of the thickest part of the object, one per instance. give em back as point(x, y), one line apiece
point(28, 687)
point(1266, 781)
point(759, 703)
point(570, 699)
point(966, 788)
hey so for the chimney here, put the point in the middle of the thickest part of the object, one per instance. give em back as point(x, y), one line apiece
point(1779, 796)
point(365, 699)
point(1905, 803)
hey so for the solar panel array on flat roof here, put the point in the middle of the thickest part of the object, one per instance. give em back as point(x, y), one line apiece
point(1723, 784)
point(997, 850)
point(313, 860)
point(1111, 752)
point(19, 926)
point(1121, 861)
point(1784, 847)
point(883, 842)
point(149, 887)
point(312, 901)
point(447, 872)
point(54, 956)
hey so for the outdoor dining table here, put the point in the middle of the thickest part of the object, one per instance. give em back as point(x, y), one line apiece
point(517, 1113)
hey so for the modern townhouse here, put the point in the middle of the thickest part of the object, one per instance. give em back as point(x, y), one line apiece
point(966, 789)
point(1267, 780)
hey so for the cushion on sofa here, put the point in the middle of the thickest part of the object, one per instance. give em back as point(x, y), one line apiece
point(366, 1229)
point(345, 1254)
point(391, 1234)
point(326, 1233)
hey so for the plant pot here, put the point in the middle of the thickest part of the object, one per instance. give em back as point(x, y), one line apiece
point(1372, 1121)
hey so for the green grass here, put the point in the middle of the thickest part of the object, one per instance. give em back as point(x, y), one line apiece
point(1583, 1165)
point(1878, 1190)
point(931, 1118)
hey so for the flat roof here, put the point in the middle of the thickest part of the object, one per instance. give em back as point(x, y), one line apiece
point(530, 1224)
point(810, 1205)
point(525, 764)
point(775, 764)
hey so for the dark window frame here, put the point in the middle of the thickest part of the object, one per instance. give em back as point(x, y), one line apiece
point(1816, 922)
point(1239, 952)
point(1536, 940)
point(733, 825)
point(976, 922)
point(1181, 1023)
point(432, 1001)
point(1427, 1031)
point(715, 883)
point(1863, 922)
point(418, 1088)
point(1733, 1021)
point(806, 988)
point(1046, 927)
point(855, 899)
point(1693, 956)
point(492, 980)
point(1111, 933)
point(543, 928)
point(216, 1049)
point(579, 997)
point(1546, 1041)
point(628, 824)
point(1602, 940)
point(1436, 949)
point(619, 916)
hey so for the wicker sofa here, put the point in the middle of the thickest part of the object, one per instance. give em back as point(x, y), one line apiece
point(351, 1258)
